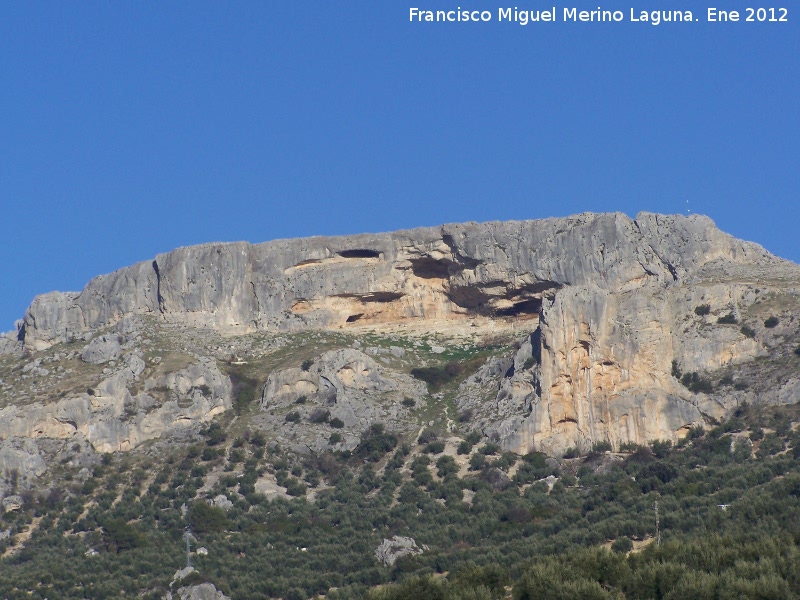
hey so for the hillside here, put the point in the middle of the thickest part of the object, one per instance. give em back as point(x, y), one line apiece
point(498, 392)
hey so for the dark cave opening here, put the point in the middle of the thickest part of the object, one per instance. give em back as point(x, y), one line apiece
point(359, 253)
point(531, 306)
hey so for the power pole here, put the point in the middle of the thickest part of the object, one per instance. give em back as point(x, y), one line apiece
point(189, 538)
point(658, 531)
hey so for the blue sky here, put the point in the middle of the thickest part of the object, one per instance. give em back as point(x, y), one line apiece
point(130, 128)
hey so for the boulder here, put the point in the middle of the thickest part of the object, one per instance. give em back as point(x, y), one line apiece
point(392, 549)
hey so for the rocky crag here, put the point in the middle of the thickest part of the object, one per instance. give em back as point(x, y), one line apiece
point(564, 332)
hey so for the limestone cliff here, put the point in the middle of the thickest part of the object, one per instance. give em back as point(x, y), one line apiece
point(608, 310)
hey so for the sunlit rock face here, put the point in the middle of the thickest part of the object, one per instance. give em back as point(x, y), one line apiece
point(605, 306)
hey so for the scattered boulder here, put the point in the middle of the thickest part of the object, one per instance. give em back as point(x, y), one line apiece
point(222, 502)
point(11, 503)
point(101, 350)
point(397, 547)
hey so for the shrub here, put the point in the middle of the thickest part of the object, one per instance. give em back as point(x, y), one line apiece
point(301, 400)
point(214, 434)
point(436, 377)
point(473, 437)
point(490, 449)
point(602, 446)
point(466, 416)
point(702, 310)
point(529, 363)
point(771, 322)
point(477, 461)
point(335, 438)
point(464, 447)
point(307, 364)
point(206, 519)
point(446, 465)
point(244, 389)
point(729, 319)
point(748, 331)
point(336, 423)
point(622, 545)
point(436, 447)
point(319, 415)
point(293, 417)
point(428, 435)
point(697, 384)
point(409, 402)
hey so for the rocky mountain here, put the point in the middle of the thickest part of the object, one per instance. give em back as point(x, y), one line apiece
point(546, 335)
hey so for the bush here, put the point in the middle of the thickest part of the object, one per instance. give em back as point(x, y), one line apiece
point(702, 310)
point(319, 415)
point(622, 545)
point(336, 423)
point(409, 402)
point(473, 437)
point(729, 319)
point(466, 416)
point(213, 434)
point(748, 331)
point(307, 364)
point(207, 519)
point(301, 400)
point(602, 446)
point(464, 447)
point(428, 435)
point(446, 465)
point(477, 461)
point(436, 447)
point(335, 438)
point(697, 384)
point(489, 449)
point(436, 377)
point(771, 322)
point(293, 417)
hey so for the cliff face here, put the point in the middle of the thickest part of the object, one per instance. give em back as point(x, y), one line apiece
point(495, 269)
point(606, 308)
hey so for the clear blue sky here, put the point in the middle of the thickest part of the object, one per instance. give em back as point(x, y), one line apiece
point(131, 128)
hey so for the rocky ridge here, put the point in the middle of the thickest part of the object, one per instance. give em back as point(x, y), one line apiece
point(580, 330)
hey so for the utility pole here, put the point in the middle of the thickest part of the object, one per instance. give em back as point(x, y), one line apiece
point(658, 531)
point(189, 538)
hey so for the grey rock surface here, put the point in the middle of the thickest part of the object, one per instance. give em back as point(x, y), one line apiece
point(102, 349)
point(607, 304)
point(397, 547)
point(330, 281)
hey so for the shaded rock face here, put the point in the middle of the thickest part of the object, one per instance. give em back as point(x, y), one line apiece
point(607, 303)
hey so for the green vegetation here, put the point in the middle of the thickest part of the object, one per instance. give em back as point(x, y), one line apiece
point(729, 319)
point(771, 322)
point(702, 310)
point(485, 530)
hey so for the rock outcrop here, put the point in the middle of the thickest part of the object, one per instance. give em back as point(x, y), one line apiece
point(497, 269)
point(111, 418)
point(393, 549)
point(607, 305)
